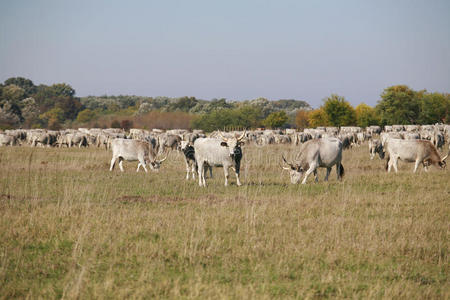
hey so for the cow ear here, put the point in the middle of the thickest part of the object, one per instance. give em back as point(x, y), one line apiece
point(224, 144)
point(241, 143)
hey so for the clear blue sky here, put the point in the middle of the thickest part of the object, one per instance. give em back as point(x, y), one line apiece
point(234, 49)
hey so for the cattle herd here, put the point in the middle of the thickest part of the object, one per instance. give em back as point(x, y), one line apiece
point(321, 147)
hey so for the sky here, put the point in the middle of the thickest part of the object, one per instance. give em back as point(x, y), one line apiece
point(234, 49)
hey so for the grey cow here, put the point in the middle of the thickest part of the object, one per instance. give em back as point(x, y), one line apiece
point(318, 153)
point(132, 150)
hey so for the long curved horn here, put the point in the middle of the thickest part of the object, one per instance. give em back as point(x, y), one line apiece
point(160, 161)
point(445, 157)
point(243, 135)
point(221, 135)
point(284, 159)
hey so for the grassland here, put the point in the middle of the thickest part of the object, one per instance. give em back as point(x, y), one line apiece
point(70, 228)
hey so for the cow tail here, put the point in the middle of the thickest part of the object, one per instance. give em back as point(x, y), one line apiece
point(341, 171)
point(387, 163)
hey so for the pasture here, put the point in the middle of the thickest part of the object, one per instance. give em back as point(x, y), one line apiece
point(70, 228)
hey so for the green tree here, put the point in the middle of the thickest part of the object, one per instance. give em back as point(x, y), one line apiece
point(62, 89)
point(13, 93)
point(318, 117)
point(85, 116)
point(26, 84)
point(53, 118)
point(183, 104)
point(366, 115)
point(276, 119)
point(339, 112)
point(399, 105)
point(434, 108)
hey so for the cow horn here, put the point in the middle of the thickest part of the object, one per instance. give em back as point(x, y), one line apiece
point(445, 157)
point(243, 135)
point(284, 159)
point(221, 135)
point(284, 168)
point(160, 161)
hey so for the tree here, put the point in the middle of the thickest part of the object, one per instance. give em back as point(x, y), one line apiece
point(302, 119)
point(399, 105)
point(318, 117)
point(13, 93)
point(30, 112)
point(53, 118)
point(434, 108)
point(126, 124)
point(276, 119)
point(26, 84)
point(62, 89)
point(115, 124)
point(183, 104)
point(85, 116)
point(366, 115)
point(339, 112)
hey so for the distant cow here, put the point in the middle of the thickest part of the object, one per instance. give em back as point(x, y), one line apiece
point(132, 150)
point(225, 152)
point(417, 151)
point(376, 147)
point(318, 153)
point(6, 139)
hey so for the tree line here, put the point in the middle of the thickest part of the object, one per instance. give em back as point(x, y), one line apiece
point(398, 104)
point(26, 105)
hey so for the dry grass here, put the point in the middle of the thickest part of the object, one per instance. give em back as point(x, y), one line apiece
point(69, 228)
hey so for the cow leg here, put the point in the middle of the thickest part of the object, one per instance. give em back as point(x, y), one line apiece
point(201, 177)
point(139, 164)
point(316, 178)
point(328, 173)
point(416, 165)
point(310, 170)
point(121, 163)
point(188, 168)
point(395, 164)
point(193, 169)
point(225, 171)
point(238, 181)
point(145, 168)
point(113, 162)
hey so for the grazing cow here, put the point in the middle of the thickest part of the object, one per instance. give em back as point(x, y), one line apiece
point(6, 139)
point(225, 152)
point(132, 150)
point(169, 142)
point(417, 151)
point(319, 153)
point(189, 159)
point(374, 148)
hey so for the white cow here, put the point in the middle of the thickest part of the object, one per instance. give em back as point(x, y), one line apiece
point(318, 153)
point(225, 152)
point(132, 150)
point(417, 151)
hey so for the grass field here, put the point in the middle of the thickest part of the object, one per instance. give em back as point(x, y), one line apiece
point(70, 228)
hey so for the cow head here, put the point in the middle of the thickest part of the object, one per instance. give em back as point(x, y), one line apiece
point(187, 148)
point(155, 164)
point(442, 163)
point(295, 171)
point(233, 144)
